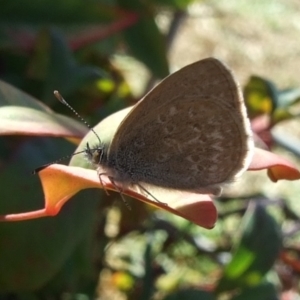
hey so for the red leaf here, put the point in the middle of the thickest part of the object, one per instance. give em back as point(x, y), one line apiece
point(278, 167)
point(61, 182)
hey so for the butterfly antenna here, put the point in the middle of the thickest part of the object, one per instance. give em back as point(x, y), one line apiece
point(63, 101)
point(60, 98)
point(37, 170)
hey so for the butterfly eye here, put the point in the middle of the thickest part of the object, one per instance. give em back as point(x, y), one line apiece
point(96, 156)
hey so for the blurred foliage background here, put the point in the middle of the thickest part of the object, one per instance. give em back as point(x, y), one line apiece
point(103, 56)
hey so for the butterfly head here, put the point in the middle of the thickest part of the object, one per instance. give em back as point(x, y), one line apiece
point(95, 154)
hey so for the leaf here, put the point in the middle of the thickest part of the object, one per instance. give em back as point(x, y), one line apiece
point(149, 273)
point(38, 12)
point(61, 182)
point(288, 97)
point(21, 114)
point(278, 167)
point(191, 294)
point(18, 120)
point(54, 60)
point(261, 96)
point(38, 247)
point(256, 252)
point(264, 291)
point(10, 95)
point(174, 4)
point(33, 252)
point(145, 40)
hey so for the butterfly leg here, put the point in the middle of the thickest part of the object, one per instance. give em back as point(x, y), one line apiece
point(148, 193)
point(105, 189)
point(120, 190)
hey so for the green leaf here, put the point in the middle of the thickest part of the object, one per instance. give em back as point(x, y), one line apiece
point(177, 4)
point(54, 61)
point(45, 12)
point(261, 95)
point(191, 294)
point(145, 40)
point(18, 120)
point(33, 252)
point(149, 276)
point(264, 291)
point(288, 97)
point(256, 253)
point(10, 95)
point(21, 114)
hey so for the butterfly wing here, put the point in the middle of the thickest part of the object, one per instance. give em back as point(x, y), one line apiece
point(190, 132)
